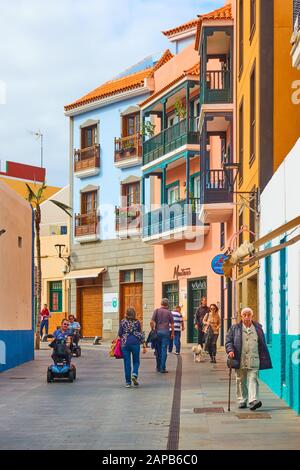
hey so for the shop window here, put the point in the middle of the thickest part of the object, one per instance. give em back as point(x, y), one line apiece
point(171, 292)
point(55, 294)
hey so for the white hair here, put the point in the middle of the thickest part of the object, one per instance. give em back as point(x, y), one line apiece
point(246, 310)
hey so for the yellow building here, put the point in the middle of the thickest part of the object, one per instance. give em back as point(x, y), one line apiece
point(267, 118)
point(55, 252)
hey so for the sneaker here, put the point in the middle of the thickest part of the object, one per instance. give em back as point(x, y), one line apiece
point(163, 371)
point(135, 381)
point(177, 354)
point(242, 406)
point(128, 386)
point(254, 405)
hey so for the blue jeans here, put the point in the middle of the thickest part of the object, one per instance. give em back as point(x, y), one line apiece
point(163, 339)
point(44, 323)
point(128, 351)
point(176, 341)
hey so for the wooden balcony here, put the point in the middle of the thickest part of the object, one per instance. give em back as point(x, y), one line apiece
point(171, 223)
point(128, 221)
point(216, 87)
point(216, 196)
point(128, 151)
point(170, 139)
point(87, 161)
point(86, 226)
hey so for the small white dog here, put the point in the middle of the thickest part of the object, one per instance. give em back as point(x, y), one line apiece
point(199, 354)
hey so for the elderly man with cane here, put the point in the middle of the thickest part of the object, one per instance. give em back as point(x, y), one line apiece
point(247, 354)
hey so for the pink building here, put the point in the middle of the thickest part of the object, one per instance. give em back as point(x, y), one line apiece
point(187, 190)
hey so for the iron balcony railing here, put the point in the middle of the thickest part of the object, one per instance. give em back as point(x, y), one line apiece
point(171, 217)
point(128, 147)
point(87, 158)
point(216, 186)
point(86, 224)
point(182, 133)
point(216, 87)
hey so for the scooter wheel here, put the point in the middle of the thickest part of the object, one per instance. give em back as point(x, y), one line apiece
point(49, 376)
point(71, 375)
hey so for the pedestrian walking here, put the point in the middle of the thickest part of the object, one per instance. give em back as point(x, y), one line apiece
point(201, 311)
point(178, 328)
point(44, 316)
point(212, 324)
point(161, 321)
point(131, 338)
point(246, 348)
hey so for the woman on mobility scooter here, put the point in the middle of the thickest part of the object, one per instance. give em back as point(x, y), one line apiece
point(74, 327)
point(61, 344)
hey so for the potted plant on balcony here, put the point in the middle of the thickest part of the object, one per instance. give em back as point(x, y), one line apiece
point(180, 110)
point(148, 129)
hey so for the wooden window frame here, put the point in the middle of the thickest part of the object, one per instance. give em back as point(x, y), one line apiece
point(125, 124)
point(122, 274)
point(84, 132)
point(125, 193)
point(83, 202)
point(241, 37)
point(252, 145)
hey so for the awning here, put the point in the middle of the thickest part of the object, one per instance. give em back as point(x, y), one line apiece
point(85, 273)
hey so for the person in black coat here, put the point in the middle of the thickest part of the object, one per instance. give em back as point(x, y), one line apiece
point(248, 352)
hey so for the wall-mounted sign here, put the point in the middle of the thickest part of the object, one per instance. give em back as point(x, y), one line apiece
point(107, 324)
point(181, 272)
point(111, 303)
point(217, 264)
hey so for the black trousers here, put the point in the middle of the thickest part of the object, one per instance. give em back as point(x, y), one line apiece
point(201, 336)
point(56, 358)
point(211, 344)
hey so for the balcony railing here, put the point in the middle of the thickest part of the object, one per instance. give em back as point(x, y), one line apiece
point(216, 88)
point(128, 147)
point(216, 187)
point(87, 158)
point(127, 218)
point(182, 133)
point(171, 217)
point(86, 224)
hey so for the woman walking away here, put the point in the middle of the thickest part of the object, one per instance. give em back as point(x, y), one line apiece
point(131, 339)
point(212, 323)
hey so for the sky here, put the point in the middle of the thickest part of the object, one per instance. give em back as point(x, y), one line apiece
point(55, 51)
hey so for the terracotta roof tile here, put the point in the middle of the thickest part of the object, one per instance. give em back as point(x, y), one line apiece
point(112, 87)
point(181, 28)
point(167, 55)
point(223, 13)
point(194, 71)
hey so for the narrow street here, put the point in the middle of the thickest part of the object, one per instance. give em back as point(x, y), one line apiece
point(97, 412)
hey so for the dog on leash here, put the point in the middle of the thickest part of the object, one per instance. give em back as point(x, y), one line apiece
point(198, 353)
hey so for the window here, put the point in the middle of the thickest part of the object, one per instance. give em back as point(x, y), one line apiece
point(55, 302)
point(131, 125)
point(63, 230)
point(173, 193)
point(88, 136)
point(296, 13)
point(171, 292)
point(133, 275)
point(241, 141)
point(252, 115)
point(131, 193)
point(241, 36)
point(241, 223)
point(252, 18)
point(88, 202)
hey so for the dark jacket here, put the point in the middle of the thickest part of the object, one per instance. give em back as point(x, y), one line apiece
point(234, 341)
point(200, 314)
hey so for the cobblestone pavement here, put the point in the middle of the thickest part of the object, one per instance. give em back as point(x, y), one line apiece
point(97, 412)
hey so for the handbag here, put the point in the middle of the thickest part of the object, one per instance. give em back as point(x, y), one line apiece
point(112, 348)
point(118, 350)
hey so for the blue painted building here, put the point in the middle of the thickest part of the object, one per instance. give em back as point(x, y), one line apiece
point(16, 280)
point(111, 268)
point(279, 281)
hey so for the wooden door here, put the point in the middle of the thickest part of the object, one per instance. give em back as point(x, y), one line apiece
point(91, 311)
point(132, 296)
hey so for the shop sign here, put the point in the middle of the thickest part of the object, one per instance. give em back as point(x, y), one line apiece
point(217, 264)
point(110, 303)
point(181, 272)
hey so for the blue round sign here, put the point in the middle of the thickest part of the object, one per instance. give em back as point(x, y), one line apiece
point(217, 264)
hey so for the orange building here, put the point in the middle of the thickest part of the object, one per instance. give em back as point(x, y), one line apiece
point(187, 195)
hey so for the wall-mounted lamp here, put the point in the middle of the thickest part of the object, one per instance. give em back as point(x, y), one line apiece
point(60, 251)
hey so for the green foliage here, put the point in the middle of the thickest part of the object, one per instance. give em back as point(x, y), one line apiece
point(180, 109)
point(148, 129)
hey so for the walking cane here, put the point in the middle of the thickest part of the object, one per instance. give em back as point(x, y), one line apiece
point(229, 385)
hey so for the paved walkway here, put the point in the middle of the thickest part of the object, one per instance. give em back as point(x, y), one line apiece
point(97, 412)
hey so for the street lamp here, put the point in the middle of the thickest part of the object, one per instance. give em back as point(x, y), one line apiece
point(60, 248)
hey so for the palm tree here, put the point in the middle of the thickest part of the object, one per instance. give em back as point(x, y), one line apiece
point(35, 200)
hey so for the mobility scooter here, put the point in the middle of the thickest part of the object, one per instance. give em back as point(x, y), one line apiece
point(75, 348)
point(62, 367)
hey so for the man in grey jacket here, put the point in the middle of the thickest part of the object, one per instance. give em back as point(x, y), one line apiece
point(247, 350)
